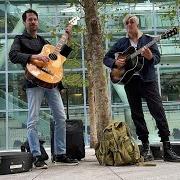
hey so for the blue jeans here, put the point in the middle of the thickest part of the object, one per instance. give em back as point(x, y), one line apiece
point(35, 96)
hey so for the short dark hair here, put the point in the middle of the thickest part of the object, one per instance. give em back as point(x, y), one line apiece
point(28, 11)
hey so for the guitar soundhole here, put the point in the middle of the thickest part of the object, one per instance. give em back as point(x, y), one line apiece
point(53, 56)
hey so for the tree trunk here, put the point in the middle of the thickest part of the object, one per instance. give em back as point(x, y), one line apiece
point(92, 113)
point(95, 54)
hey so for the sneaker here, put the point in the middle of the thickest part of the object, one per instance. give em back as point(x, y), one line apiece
point(64, 160)
point(40, 164)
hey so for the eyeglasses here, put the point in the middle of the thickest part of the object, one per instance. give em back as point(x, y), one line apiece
point(130, 21)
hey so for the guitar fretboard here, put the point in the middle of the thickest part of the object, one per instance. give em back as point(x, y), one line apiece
point(62, 41)
point(156, 39)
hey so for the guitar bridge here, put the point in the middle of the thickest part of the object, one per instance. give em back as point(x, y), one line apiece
point(46, 71)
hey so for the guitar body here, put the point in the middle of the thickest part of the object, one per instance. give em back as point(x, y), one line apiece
point(124, 74)
point(48, 74)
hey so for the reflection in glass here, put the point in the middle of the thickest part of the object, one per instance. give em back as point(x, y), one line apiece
point(14, 19)
point(2, 92)
point(17, 96)
point(16, 129)
point(2, 53)
point(170, 83)
point(2, 18)
point(74, 83)
point(12, 66)
point(2, 130)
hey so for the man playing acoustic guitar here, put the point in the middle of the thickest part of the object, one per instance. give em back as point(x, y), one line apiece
point(25, 49)
point(140, 82)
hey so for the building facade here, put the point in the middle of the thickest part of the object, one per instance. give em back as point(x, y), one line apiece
point(156, 17)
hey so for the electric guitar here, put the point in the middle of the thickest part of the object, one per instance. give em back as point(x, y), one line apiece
point(133, 63)
point(49, 74)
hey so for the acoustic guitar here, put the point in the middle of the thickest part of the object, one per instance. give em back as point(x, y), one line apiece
point(49, 74)
point(133, 63)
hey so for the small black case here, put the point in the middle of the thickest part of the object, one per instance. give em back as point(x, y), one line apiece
point(15, 162)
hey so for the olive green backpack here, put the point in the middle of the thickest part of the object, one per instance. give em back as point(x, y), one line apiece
point(117, 146)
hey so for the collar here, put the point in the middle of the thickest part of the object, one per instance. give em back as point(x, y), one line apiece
point(25, 33)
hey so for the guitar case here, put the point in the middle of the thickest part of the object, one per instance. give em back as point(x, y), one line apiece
point(75, 146)
point(15, 162)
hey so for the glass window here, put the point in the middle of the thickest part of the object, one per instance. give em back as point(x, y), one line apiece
point(15, 24)
point(167, 15)
point(2, 18)
point(2, 130)
point(74, 83)
point(117, 91)
point(16, 129)
point(53, 17)
point(2, 53)
point(170, 83)
point(17, 96)
point(12, 66)
point(2, 92)
point(74, 60)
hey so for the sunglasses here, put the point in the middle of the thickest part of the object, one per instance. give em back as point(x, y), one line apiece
point(130, 21)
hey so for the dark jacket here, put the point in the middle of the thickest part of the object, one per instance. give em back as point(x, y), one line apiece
point(148, 71)
point(24, 46)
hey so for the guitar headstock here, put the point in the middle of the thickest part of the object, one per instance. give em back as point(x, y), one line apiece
point(169, 33)
point(74, 20)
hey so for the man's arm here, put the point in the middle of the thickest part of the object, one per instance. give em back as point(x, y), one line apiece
point(152, 53)
point(155, 54)
point(15, 54)
point(66, 49)
point(109, 59)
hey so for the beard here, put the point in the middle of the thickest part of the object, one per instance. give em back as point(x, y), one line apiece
point(33, 28)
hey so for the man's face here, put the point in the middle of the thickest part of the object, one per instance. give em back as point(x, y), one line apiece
point(131, 25)
point(31, 23)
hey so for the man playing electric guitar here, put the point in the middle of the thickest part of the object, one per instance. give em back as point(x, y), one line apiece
point(26, 49)
point(141, 84)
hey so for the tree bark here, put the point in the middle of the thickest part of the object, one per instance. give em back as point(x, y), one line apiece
point(92, 113)
point(95, 54)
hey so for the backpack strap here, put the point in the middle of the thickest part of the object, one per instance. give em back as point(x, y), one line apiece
point(121, 149)
point(136, 148)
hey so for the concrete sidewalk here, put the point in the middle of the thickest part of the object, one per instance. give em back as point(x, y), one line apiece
point(89, 169)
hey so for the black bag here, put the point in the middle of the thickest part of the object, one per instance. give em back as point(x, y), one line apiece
point(15, 162)
point(25, 148)
point(75, 146)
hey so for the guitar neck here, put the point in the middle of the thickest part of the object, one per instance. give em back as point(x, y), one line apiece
point(156, 39)
point(64, 37)
point(62, 40)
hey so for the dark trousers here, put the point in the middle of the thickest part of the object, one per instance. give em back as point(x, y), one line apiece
point(136, 89)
